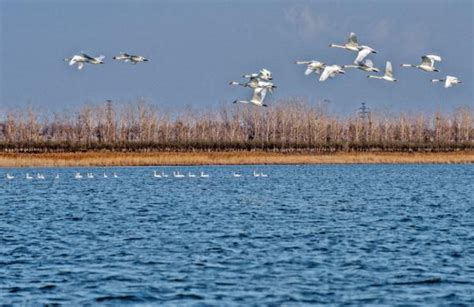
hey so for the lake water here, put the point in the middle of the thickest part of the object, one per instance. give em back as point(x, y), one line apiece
point(358, 234)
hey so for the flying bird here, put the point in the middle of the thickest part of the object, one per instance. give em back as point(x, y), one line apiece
point(427, 63)
point(263, 74)
point(312, 66)
point(388, 75)
point(363, 53)
point(330, 72)
point(353, 45)
point(255, 83)
point(81, 59)
point(134, 59)
point(449, 81)
point(257, 99)
point(366, 65)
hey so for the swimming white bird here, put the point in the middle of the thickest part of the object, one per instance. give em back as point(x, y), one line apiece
point(257, 97)
point(388, 75)
point(263, 175)
point(9, 177)
point(366, 65)
point(89, 175)
point(312, 66)
point(236, 174)
point(83, 58)
point(105, 175)
point(178, 175)
point(191, 175)
point(449, 81)
point(263, 74)
point(57, 176)
point(330, 72)
point(164, 175)
point(156, 175)
point(115, 175)
point(39, 176)
point(28, 176)
point(255, 174)
point(203, 175)
point(78, 176)
point(427, 63)
point(134, 59)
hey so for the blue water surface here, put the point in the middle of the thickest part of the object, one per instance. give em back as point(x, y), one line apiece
point(356, 234)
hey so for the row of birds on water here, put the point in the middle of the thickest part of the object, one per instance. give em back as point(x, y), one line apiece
point(261, 82)
point(155, 174)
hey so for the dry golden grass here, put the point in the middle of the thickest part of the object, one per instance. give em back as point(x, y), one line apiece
point(222, 158)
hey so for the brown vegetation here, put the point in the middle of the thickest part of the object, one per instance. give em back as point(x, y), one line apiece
point(288, 126)
point(222, 158)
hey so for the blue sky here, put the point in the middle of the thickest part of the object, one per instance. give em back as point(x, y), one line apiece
point(197, 47)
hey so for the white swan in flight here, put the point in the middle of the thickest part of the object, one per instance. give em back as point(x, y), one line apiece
point(263, 74)
point(330, 72)
point(366, 65)
point(76, 59)
point(388, 75)
point(255, 83)
point(353, 45)
point(257, 99)
point(449, 81)
point(134, 59)
point(312, 66)
point(83, 58)
point(427, 63)
point(363, 53)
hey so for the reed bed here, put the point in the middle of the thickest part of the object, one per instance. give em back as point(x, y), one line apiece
point(290, 126)
point(222, 158)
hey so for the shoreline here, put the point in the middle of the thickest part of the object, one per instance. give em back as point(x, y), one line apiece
point(108, 159)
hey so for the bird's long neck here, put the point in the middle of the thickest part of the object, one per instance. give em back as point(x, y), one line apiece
point(337, 46)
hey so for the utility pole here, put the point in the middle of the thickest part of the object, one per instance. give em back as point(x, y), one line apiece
point(364, 113)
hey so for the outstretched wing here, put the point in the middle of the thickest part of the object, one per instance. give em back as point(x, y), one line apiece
point(388, 70)
point(259, 94)
point(87, 57)
point(352, 40)
point(436, 58)
point(80, 65)
point(426, 61)
point(308, 71)
point(325, 74)
point(363, 53)
point(303, 62)
point(368, 63)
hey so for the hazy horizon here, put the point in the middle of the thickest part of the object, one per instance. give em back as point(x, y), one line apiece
point(197, 47)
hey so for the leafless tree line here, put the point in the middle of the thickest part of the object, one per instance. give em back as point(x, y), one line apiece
point(291, 125)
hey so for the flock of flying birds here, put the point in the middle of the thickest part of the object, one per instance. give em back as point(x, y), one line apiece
point(261, 82)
